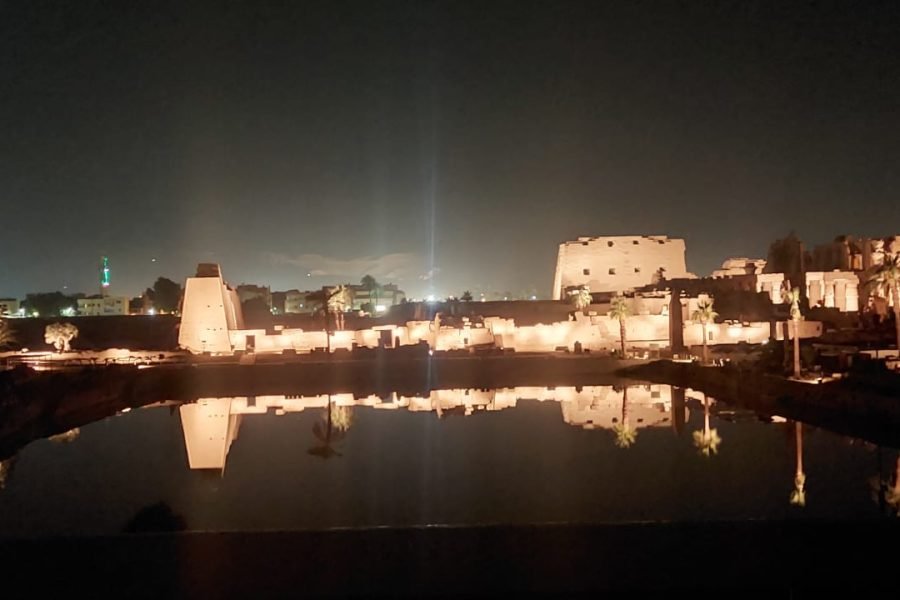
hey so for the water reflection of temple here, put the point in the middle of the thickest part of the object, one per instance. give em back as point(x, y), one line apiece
point(211, 425)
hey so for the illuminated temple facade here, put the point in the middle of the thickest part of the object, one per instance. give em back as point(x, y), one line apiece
point(618, 263)
point(212, 323)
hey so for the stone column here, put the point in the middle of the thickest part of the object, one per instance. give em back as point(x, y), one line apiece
point(829, 293)
point(840, 295)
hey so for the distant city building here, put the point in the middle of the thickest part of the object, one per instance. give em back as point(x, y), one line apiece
point(278, 302)
point(248, 292)
point(297, 302)
point(617, 264)
point(385, 296)
point(390, 295)
point(307, 302)
point(9, 306)
point(102, 306)
point(294, 302)
point(140, 305)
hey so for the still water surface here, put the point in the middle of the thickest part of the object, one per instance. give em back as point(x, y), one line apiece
point(596, 454)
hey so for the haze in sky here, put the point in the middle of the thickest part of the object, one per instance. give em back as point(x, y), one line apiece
point(441, 145)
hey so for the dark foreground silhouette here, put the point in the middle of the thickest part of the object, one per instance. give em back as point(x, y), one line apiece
point(725, 560)
point(156, 518)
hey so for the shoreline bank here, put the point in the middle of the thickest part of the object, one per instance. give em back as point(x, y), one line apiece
point(855, 406)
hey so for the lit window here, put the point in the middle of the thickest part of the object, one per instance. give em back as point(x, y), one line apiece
point(586, 271)
point(612, 271)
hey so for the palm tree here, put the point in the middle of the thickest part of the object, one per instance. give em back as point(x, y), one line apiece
point(625, 434)
point(466, 296)
point(705, 314)
point(60, 334)
point(328, 302)
point(338, 300)
point(619, 310)
point(373, 287)
point(327, 434)
point(798, 495)
point(580, 298)
point(708, 440)
point(792, 297)
point(7, 336)
point(886, 281)
point(319, 299)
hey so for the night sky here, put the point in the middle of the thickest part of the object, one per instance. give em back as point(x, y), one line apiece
point(444, 146)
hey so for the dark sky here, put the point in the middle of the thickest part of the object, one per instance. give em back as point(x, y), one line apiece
point(447, 146)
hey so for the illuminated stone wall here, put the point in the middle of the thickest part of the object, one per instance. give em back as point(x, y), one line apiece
point(615, 264)
point(751, 333)
point(593, 332)
point(211, 310)
point(211, 322)
point(740, 266)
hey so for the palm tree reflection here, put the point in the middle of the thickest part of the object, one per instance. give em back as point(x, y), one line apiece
point(331, 429)
point(798, 496)
point(625, 434)
point(708, 440)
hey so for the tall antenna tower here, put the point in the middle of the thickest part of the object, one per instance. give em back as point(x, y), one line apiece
point(104, 275)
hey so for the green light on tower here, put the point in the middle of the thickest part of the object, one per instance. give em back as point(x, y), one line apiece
point(104, 272)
